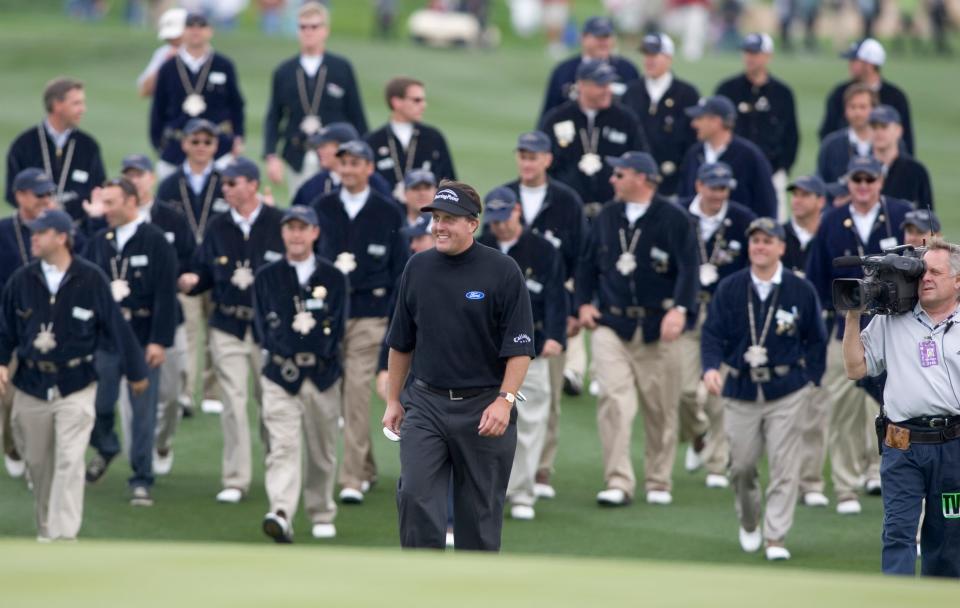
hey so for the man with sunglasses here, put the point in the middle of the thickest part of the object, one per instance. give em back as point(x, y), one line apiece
point(868, 224)
point(141, 267)
point(636, 282)
point(33, 192)
point(308, 91)
point(235, 245)
point(904, 177)
point(195, 190)
point(719, 224)
point(196, 83)
point(405, 143)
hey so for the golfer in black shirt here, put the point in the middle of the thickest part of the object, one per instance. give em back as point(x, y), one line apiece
point(463, 328)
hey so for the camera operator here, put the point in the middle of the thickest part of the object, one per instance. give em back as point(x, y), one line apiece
point(920, 450)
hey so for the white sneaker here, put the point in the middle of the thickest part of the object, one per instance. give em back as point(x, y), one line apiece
point(751, 541)
point(277, 527)
point(659, 497)
point(816, 499)
point(449, 539)
point(777, 554)
point(717, 481)
point(162, 465)
point(365, 486)
point(692, 461)
point(15, 468)
point(522, 512)
point(544, 490)
point(594, 389)
point(351, 496)
point(613, 497)
point(229, 496)
point(873, 487)
point(324, 531)
point(211, 406)
point(849, 507)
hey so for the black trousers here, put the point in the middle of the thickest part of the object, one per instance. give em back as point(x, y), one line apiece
point(439, 436)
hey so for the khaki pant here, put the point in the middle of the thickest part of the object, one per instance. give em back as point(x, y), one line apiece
point(851, 439)
point(548, 455)
point(172, 374)
point(55, 436)
point(361, 347)
point(532, 417)
point(628, 373)
point(780, 181)
point(309, 417)
point(813, 442)
point(576, 355)
point(10, 445)
point(701, 412)
point(295, 179)
point(234, 361)
point(773, 426)
point(196, 312)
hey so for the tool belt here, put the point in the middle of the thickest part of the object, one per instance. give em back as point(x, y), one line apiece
point(51, 367)
point(941, 430)
point(243, 313)
point(760, 375)
point(140, 313)
point(455, 394)
point(290, 367)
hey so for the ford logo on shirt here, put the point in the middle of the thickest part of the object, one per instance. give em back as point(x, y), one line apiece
point(476, 295)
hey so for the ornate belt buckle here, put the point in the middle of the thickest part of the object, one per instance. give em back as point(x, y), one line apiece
point(759, 375)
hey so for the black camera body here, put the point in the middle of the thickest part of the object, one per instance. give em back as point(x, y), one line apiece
point(889, 283)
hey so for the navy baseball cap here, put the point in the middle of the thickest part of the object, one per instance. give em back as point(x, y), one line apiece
point(641, 162)
point(140, 162)
point(767, 226)
point(419, 176)
point(864, 164)
point(455, 202)
point(717, 105)
point(499, 204)
point(717, 175)
point(534, 141)
point(196, 20)
point(52, 219)
point(885, 115)
point(196, 125)
point(241, 167)
point(301, 213)
point(837, 189)
point(596, 71)
point(809, 183)
point(757, 43)
point(923, 219)
point(598, 26)
point(356, 147)
point(419, 228)
point(657, 43)
point(334, 132)
point(34, 180)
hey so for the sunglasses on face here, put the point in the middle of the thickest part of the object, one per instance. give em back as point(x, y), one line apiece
point(863, 179)
point(201, 142)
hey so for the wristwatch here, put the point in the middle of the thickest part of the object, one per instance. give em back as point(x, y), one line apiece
point(509, 397)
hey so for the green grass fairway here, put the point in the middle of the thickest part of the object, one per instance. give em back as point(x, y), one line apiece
point(113, 574)
point(481, 100)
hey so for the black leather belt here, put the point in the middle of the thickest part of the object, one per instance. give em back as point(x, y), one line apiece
point(50, 367)
point(932, 422)
point(290, 367)
point(948, 433)
point(633, 312)
point(455, 394)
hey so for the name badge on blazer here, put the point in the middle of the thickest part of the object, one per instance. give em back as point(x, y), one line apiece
point(221, 206)
point(888, 243)
point(218, 78)
point(83, 314)
point(79, 175)
point(171, 237)
point(272, 256)
point(552, 238)
point(385, 163)
point(376, 250)
point(616, 137)
point(139, 261)
point(335, 90)
point(659, 255)
point(315, 304)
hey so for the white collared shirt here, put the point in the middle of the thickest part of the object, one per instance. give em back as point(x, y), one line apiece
point(193, 63)
point(305, 269)
point(53, 276)
point(403, 131)
point(863, 146)
point(531, 201)
point(505, 246)
point(311, 63)
point(60, 139)
point(245, 224)
point(657, 87)
point(353, 203)
point(765, 287)
point(802, 235)
point(708, 223)
point(591, 117)
point(864, 222)
point(125, 233)
point(196, 181)
point(635, 211)
point(711, 154)
point(144, 210)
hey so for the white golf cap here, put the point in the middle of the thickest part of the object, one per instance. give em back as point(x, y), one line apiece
point(172, 23)
point(868, 50)
point(657, 43)
point(757, 43)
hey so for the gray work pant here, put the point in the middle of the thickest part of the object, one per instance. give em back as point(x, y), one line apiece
point(439, 435)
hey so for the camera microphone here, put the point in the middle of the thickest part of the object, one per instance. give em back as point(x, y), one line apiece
point(848, 261)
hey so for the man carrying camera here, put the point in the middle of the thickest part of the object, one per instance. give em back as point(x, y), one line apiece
point(921, 416)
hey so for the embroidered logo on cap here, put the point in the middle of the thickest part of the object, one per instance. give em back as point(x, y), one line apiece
point(476, 295)
point(447, 194)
